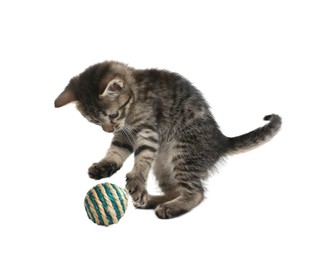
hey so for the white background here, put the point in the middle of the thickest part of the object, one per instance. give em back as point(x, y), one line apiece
point(249, 58)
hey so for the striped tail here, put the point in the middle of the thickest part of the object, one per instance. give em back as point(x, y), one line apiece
point(256, 137)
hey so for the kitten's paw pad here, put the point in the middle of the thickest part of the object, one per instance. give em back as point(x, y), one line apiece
point(102, 169)
point(140, 199)
point(166, 211)
point(163, 212)
point(136, 189)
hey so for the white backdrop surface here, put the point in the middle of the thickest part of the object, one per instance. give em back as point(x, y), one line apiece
point(249, 58)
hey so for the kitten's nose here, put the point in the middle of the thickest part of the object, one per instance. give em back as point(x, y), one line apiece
point(108, 128)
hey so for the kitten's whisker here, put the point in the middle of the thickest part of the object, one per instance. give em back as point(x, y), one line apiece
point(130, 136)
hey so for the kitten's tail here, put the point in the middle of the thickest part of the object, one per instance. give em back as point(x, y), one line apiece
point(256, 137)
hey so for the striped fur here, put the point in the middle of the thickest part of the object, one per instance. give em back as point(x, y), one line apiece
point(165, 121)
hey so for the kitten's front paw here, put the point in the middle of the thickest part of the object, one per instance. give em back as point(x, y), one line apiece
point(102, 169)
point(136, 188)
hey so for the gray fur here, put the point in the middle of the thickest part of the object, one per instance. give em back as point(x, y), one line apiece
point(165, 121)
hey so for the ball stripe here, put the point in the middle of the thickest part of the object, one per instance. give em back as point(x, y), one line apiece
point(110, 202)
point(113, 199)
point(92, 210)
point(116, 196)
point(120, 199)
point(125, 196)
point(98, 201)
point(104, 205)
point(88, 210)
point(108, 205)
point(96, 211)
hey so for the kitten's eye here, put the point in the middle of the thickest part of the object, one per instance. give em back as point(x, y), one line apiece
point(113, 115)
point(95, 121)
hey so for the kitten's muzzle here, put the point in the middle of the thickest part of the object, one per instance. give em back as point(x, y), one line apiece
point(108, 128)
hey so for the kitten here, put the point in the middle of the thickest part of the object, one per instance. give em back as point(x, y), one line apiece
point(165, 121)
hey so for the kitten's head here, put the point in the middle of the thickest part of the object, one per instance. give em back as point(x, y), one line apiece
point(102, 94)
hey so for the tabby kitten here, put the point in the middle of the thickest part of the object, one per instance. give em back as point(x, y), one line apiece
point(165, 121)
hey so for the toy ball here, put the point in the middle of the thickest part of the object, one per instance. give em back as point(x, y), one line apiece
point(106, 203)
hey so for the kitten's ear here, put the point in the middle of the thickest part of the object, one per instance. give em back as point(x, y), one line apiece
point(67, 96)
point(112, 89)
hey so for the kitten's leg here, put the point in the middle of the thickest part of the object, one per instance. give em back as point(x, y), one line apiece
point(190, 194)
point(118, 152)
point(165, 182)
point(185, 182)
point(145, 153)
point(189, 168)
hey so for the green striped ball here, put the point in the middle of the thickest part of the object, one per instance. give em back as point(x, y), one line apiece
point(106, 203)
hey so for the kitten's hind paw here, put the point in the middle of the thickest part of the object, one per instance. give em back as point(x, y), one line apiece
point(169, 210)
point(102, 169)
